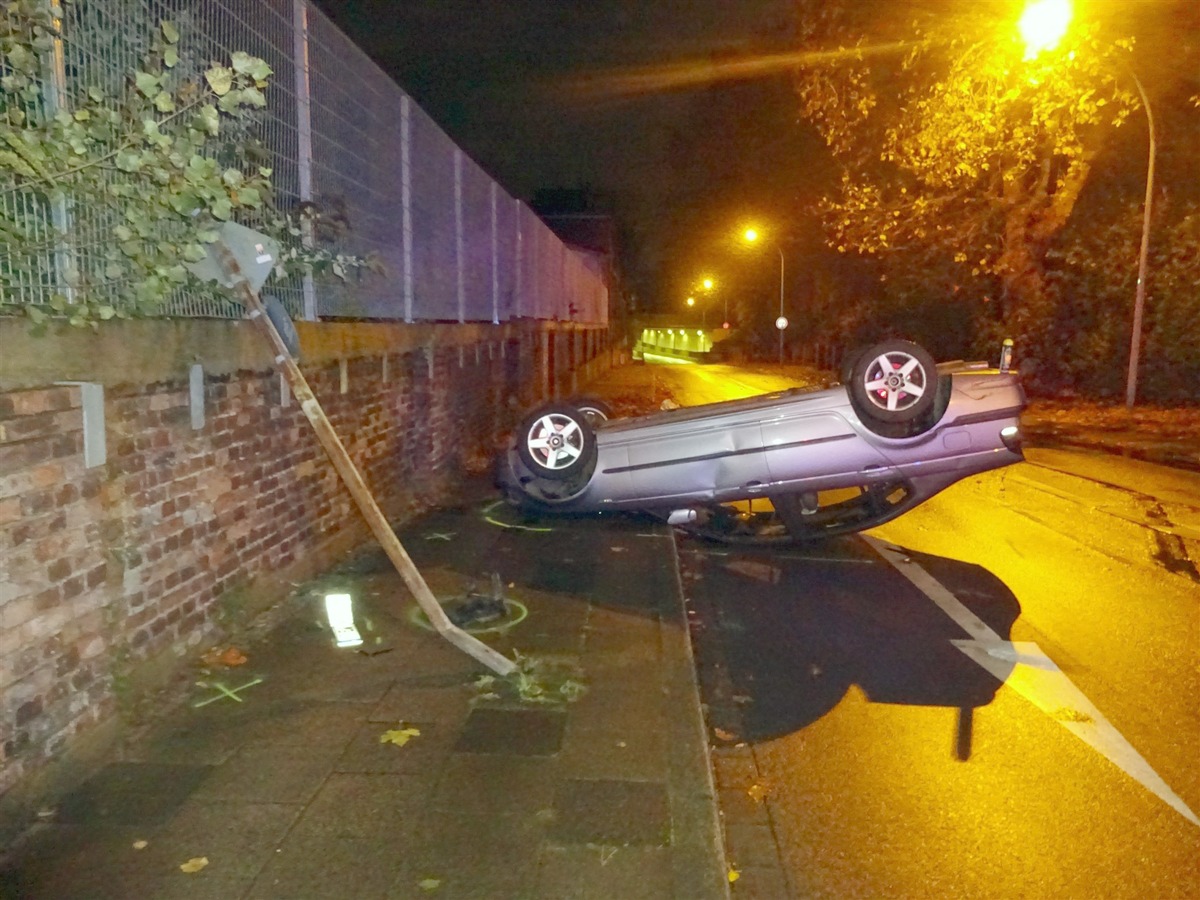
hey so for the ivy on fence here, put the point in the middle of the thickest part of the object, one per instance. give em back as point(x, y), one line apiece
point(106, 193)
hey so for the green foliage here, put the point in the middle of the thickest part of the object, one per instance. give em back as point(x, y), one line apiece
point(135, 177)
point(1093, 281)
point(961, 160)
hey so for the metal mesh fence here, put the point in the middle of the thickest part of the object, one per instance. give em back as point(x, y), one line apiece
point(451, 244)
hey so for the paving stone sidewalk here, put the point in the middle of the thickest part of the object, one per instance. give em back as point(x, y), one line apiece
point(394, 770)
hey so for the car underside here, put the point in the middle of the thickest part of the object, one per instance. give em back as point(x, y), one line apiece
point(792, 466)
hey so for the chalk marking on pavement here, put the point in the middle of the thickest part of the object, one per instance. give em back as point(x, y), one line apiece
point(487, 517)
point(223, 692)
point(1024, 667)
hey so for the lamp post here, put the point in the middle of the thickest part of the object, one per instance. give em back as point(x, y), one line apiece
point(1042, 26)
point(1139, 302)
point(751, 235)
point(708, 285)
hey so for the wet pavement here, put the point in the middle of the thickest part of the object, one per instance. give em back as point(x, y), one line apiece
point(397, 767)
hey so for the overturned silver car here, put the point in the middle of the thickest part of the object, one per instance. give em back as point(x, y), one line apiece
point(791, 466)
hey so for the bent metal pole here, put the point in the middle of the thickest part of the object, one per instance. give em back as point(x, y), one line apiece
point(353, 479)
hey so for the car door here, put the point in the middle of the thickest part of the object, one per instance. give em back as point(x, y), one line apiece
point(805, 444)
point(699, 458)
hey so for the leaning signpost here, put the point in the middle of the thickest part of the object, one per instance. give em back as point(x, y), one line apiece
point(240, 260)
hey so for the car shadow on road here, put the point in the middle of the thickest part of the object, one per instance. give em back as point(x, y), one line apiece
point(781, 637)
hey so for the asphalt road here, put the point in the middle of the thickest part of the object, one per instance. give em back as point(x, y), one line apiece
point(992, 696)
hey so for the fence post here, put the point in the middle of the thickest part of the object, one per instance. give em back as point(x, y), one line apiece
point(304, 143)
point(54, 96)
point(460, 263)
point(518, 304)
point(406, 193)
point(495, 258)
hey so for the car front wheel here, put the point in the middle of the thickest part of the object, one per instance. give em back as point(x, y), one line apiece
point(556, 442)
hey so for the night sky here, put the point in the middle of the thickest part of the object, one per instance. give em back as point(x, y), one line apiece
point(681, 168)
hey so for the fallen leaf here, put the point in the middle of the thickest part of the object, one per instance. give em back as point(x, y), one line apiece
point(195, 864)
point(758, 792)
point(140, 845)
point(429, 884)
point(228, 656)
point(724, 735)
point(233, 657)
point(734, 874)
point(400, 735)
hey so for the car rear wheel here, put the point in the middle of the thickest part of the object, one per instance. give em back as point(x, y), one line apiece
point(556, 442)
point(893, 382)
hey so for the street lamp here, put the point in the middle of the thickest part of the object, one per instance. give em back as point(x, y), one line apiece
point(708, 285)
point(1042, 26)
point(751, 235)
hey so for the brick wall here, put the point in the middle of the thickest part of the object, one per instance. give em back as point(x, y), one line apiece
point(111, 575)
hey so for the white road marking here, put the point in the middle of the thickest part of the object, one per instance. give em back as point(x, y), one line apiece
point(1036, 678)
point(935, 591)
point(1026, 669)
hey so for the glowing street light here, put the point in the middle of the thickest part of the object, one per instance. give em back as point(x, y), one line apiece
point(750, 235)
point(1042, 26)
point(691, 301)
point(708, 284)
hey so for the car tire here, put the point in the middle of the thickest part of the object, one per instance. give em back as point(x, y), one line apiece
point(893, 382)
point(556, 442)
point(595, 410)
point(846, 371)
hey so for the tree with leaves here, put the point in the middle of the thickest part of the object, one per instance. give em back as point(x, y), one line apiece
point(962, 159)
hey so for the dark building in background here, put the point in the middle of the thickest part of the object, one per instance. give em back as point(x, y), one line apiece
point(581, 219)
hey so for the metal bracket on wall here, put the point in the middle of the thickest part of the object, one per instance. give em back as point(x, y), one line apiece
point(95, 436)
point(196, 395)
